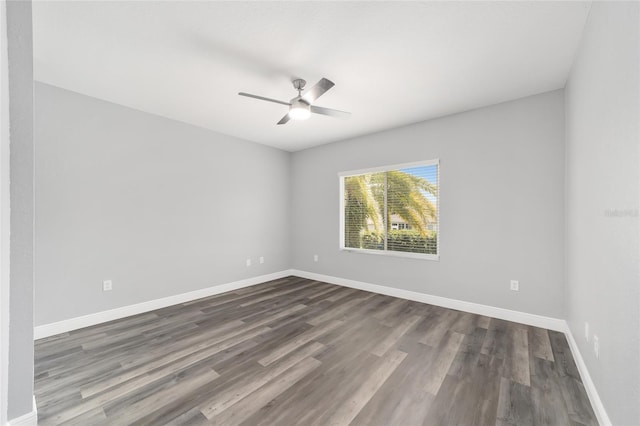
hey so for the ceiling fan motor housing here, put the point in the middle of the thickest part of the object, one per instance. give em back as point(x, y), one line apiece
point(299, 84)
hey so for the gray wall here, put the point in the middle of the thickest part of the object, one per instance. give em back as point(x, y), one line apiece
point(157, 206)
point(502, 205)
point(603, 285)
point(20, 55)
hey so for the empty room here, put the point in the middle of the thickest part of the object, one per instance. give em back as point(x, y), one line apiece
point(320, 213)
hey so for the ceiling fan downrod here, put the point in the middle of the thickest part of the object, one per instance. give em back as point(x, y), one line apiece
point(299, 84)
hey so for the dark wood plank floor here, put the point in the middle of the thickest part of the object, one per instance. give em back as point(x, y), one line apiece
point(296, 351)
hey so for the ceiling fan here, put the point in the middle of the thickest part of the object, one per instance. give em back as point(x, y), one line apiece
point(301, 107)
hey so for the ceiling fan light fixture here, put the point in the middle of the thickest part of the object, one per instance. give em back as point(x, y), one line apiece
point(299, 110)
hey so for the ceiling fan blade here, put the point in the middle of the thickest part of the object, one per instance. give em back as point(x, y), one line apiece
point(330, 112)
point(284, 119)
point(318, 90)
point(262, 98)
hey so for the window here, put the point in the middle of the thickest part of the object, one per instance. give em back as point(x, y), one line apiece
point(391, 210)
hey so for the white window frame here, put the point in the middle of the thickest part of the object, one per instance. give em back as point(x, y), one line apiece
point(385, 252)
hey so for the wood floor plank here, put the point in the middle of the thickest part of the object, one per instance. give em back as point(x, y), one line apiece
point(273, 314)
point(440, 365)
point(517, 361)
point(193, 417)
point(324, 399)
point(466, 323)
point(340, 295)
point(225, 300)
point(380, 373)
point(93, 417)
point(199, 338)
point(336, 312)
point(321, 291)
point(496, 342)
point(245, 387)
point(468, 354)
point(482, 394)
point(351, 340)
point(564, 361)
point(541, 345)
point(116, 325)
point(51, 405)
point(547, 404)
point(392, 308)
point(129, 413)
point(514, 404)
point(578, 408)
point(173, 360)
point(132, 385)
point(409, 407)
point(237, 413)
point(304, 338)
point(471, 399)
point(312, 401)
point(56, 346)
point(395, 335)
point(440, 325)
point(254, 300)
point(72, 380)
point(300, 352)
point(266, 285)
point(483, 322)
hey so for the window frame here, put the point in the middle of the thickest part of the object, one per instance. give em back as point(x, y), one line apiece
point(385, 252)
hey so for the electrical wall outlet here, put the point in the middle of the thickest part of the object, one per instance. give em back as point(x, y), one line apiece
point(261, 259)
point(315, 257)
point(248, 262)
point(586, 331)
point(515, 285)
point(107, 285)
point(596, 346)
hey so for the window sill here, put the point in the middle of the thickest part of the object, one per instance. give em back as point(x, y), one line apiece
point(420, 256)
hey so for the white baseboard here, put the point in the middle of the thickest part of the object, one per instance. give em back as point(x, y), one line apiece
point(29, 419)
point(596, 402)
point(64, 326)
point(555, 324)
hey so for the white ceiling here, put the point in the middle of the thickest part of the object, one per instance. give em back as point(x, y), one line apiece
point(393, 63)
